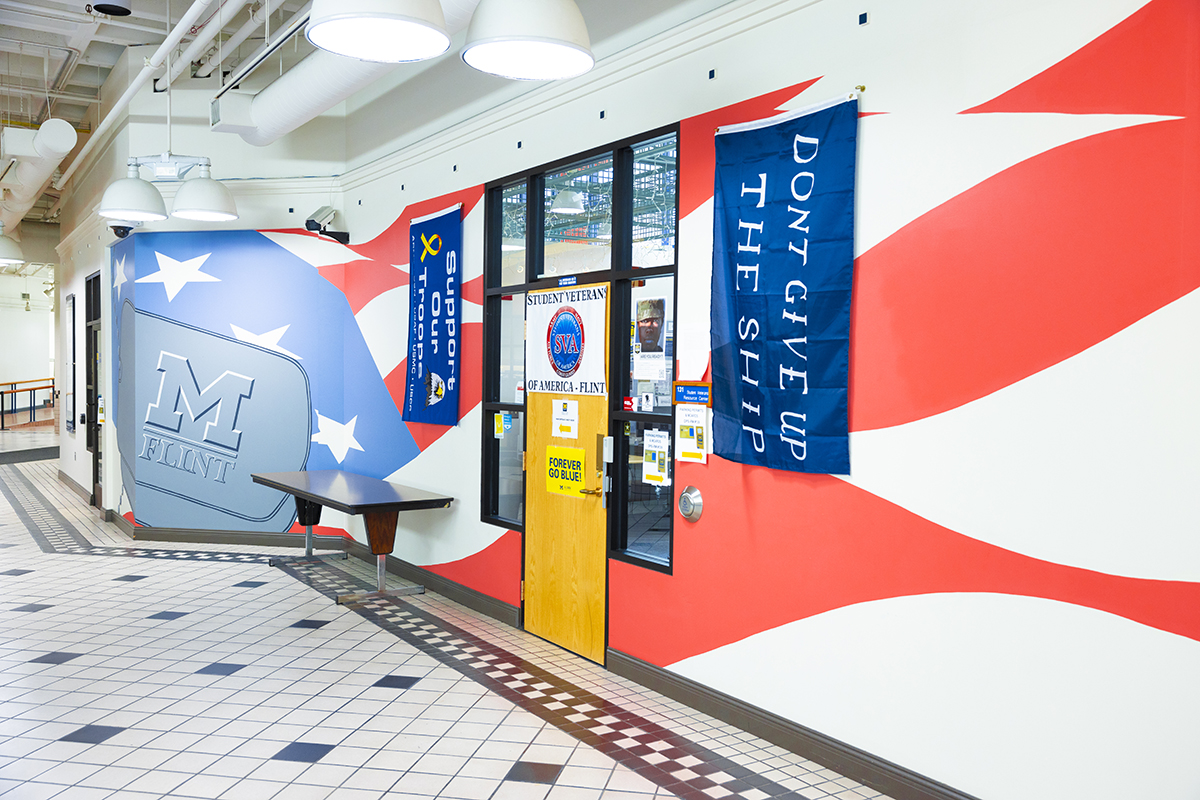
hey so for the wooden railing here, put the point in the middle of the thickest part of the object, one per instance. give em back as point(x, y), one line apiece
point(10, 390)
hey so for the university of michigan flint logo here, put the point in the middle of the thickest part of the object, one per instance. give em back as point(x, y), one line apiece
point(211, 410)
point(193, 429)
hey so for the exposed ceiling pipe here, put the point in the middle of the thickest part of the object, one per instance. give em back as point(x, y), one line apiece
point(36, 92)
point(283, 34)
point(62, 15)
point(152, 65)
point(228, 10)
point(210, 62)
point(70, 59)
point(50, 145)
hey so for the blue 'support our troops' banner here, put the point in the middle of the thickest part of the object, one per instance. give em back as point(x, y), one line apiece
point(431, 393)
point(783, 256)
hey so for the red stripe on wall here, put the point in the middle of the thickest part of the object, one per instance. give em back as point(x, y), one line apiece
point(1144, 65)
point(1024, 271)
point(494, 571)
point(699, 154)
point(774, 547)
point(392, 246)
point(469, 393)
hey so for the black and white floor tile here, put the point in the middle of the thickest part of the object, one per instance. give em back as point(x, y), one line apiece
point(204, 673)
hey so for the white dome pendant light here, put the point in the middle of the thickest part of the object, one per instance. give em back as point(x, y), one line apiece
point(379, 30)
point(204, 199)
point(133, 199)
point(10, 249)
point(529, 40)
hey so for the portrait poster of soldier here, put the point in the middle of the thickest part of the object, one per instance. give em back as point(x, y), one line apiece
point(649, 346)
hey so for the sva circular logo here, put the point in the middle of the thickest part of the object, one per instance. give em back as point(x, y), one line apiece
point(564, 341)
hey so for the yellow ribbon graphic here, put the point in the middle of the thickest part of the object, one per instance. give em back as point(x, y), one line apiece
point(429, 248)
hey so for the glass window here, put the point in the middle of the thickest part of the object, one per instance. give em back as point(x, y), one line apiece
point(648, 490)
point(578, 218)
point(563, 221)
point(512, 348)
point(655, 179)
point(652, 352)
point(512, 232)
point(509, 427)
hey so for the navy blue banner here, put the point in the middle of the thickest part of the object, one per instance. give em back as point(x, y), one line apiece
point(783, 257)
point(434, 364)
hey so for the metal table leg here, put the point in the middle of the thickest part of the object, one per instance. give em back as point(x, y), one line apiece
point(308, 514)
point(383, 591)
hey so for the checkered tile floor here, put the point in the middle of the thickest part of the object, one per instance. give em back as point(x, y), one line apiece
point(202, 672)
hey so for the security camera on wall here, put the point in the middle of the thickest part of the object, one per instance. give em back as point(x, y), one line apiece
point(122, 228)
point(318, 221)
point(320, 218)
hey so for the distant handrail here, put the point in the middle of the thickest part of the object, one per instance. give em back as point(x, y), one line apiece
point(27, 388)
point(33, 380)
point(45, 383)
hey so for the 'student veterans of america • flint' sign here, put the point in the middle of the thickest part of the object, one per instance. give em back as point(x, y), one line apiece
point(783, 256)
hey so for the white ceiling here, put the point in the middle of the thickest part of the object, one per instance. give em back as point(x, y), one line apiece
point(56, 54)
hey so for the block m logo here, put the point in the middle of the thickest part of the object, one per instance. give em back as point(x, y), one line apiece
point(218, 402)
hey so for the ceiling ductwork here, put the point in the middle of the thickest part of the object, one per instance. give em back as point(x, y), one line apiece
point(29, 159)
point(312, 87)
point(309, 89)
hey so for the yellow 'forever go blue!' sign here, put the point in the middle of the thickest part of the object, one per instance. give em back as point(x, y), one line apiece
point(564, 470)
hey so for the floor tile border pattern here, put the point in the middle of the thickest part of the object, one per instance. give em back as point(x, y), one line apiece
point(643, 746)
point(55, 534)
point(52, 532)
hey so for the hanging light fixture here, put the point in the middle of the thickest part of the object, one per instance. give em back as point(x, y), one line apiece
point(200, 198)
point(133, 199)
point(204, 199)
point(379, 30)
point(567, 201)
point(529, 40)
point(10, 250)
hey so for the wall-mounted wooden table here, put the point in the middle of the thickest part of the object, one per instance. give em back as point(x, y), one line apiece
point(379, 502)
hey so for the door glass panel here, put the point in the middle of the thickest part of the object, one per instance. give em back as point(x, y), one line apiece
point(578, 218)
point(510, 499)
point(512, 242)
point(649, 493)
point(652, 352)
point(512, 348)
point(655, 176)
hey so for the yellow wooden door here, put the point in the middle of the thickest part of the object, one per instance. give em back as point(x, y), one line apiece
point(566, 535)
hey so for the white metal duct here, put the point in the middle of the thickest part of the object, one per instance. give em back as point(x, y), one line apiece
point(29, 159)
point(312, 87)
point(321, 81)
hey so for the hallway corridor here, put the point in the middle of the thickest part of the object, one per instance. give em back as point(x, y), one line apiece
point(132, 669)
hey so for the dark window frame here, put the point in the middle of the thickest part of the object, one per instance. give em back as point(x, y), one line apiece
point(620, 277)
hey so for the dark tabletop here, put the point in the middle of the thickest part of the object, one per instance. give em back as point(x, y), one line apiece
point(350, 493)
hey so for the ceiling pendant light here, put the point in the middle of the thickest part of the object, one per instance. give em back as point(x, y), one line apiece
point(10, 249)
point(567, 201)
point(133, 199)
point(379, 30)
point(204, 199)
point(529, 40)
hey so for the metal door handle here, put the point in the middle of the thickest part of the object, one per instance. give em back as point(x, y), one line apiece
point(591, 491)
